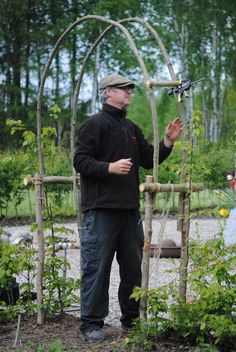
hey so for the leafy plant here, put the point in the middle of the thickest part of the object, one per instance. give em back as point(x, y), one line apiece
point(209, 316)
point(14, 167)
point(14, 261)
point(60, 289)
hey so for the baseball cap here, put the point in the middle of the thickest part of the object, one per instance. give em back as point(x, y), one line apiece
point(115, 81)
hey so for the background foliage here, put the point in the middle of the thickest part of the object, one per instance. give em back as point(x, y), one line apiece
point(199, 37)
point(200, 40)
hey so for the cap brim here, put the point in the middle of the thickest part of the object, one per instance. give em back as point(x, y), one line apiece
point(131, 85)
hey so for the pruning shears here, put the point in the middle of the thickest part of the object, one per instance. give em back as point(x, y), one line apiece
point(183, 88)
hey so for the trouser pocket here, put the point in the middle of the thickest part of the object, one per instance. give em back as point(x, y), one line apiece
point(89, 239)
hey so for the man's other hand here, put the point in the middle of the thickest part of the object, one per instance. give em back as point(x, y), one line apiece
point(120, 167)
point(173, 130)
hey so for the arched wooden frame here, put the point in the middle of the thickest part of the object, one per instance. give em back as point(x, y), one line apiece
point(38, 189)
point(133, 47)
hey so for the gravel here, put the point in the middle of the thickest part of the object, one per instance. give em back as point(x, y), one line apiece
point(202, 228)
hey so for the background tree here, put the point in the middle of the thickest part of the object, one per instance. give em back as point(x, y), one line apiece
point(200, 38)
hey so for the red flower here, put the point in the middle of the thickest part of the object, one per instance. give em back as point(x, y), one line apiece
point(232, 183)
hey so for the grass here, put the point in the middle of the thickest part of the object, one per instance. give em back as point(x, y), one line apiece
point(207, 200)
point(63, 205)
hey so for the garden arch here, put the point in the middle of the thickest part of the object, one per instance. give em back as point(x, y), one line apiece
point(149, 84)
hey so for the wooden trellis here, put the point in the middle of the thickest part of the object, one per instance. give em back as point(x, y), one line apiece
point(39, 180)
point(150, 188)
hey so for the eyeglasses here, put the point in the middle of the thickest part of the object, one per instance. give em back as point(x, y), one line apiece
point(125, 89)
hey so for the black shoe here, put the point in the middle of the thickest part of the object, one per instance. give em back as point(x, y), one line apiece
point(95, 335)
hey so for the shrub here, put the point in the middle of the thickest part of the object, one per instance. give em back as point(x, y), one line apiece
point(210, 315)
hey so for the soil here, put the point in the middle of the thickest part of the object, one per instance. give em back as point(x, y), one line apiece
point(66, 329)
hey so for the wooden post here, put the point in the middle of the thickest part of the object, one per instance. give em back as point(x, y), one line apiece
point(52, 179)
point(170, 187)
point(41, 246)
point(163, 83)
point(184, 246)
point(149, 200)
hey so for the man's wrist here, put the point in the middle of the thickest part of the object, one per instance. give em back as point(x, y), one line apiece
point(111, 168)
point(167, 142)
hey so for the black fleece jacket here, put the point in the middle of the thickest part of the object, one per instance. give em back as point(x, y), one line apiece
point(107, 137)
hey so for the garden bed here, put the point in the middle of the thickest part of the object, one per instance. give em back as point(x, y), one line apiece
point(66, 330)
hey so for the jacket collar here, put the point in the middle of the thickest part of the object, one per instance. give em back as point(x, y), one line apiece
point(112, 110)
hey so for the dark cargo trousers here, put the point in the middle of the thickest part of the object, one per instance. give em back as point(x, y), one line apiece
point(104, 233)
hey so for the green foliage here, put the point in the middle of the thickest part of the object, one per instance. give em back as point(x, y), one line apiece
point(31, 30)
point(158, 322)
point(58, 163)
point(139, 112)
point(12, 169)
point(16, 125)
point(59, 292)
point(205, 160)
point(139, 336)
point(60, 289)
point(23, 163)
point(14, 261)
point(48, 135)
point(213, 280)
point(11, 263)
point(55, 346)
point(209, 317)
point(55, 110)
point(218, 158)
point(21, 260)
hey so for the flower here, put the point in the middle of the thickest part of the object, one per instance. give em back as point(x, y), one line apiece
point(224, 212)
point(232, 183)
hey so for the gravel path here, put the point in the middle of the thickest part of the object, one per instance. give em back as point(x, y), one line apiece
point(202, 228)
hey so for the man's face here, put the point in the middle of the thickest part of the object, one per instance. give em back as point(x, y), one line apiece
point(119, 97)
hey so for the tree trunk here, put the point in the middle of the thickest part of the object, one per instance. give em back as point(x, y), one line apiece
point(216, 51)
point(38, 65)
point(27, 79)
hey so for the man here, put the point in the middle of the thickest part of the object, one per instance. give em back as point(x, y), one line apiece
point(110, 150)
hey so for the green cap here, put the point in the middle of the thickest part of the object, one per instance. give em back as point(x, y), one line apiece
point(115, 81)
